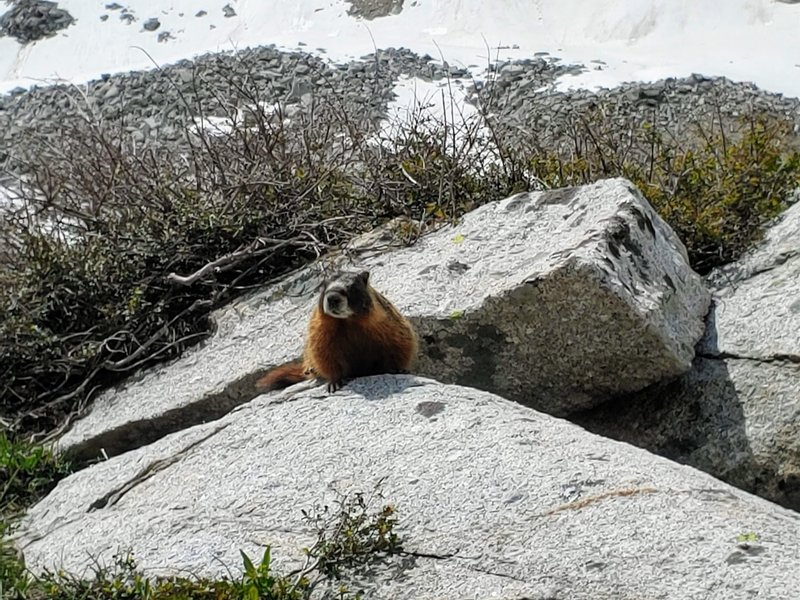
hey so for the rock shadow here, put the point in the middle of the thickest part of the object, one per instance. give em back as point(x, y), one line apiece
point(698, 419)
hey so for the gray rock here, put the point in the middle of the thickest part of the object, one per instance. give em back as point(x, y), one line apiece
point(736, 415)
point(32, 20)
point(558, 300)
point(111, 92)
point(494, 500)
point(373, 9)
point(778, 246)
point(151, 24)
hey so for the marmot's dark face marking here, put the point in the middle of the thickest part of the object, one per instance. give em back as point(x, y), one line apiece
point(346, 295)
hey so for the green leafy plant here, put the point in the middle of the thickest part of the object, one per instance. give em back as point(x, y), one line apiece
point(27, 472)
point(350, 537)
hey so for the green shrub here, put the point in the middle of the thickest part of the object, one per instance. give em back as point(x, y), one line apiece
point(716, 185)
point(27, 472)
point(718, 196)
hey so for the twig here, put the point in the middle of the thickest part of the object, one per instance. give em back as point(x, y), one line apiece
point(249, 251)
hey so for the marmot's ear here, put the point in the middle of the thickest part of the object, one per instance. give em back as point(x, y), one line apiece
point(363, 276)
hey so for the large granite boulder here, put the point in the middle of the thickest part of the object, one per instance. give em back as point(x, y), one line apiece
point(558, 300)
point(736, 414)
point(494, 500)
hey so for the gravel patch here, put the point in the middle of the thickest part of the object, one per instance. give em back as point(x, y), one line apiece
point(523, 102)
point(153, 104)
point(521, 97)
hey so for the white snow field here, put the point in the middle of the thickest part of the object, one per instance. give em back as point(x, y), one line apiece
point(637, 40)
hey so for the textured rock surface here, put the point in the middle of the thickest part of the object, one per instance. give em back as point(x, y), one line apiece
point(373, 9)
point(527, 505)
point(558, 300)
point(31, 20)
point(737, 413)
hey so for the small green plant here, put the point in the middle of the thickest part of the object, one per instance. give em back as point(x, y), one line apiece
point(747, 537)
point(14, 579)
point(27, 472)
point(349, 538)
point(123, 580)
point(718, 195)
point(717, 185)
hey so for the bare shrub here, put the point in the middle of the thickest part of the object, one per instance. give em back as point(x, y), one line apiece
point(116, 249)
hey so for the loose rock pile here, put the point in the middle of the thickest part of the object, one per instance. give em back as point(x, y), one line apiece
point(373, 9)
point(522, 107)
point(31, 20)
point(156, 104)
point(521, 96)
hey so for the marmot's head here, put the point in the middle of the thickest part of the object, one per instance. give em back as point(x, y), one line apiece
point(346, 295)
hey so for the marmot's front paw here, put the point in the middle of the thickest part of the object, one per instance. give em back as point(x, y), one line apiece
point(335, 385)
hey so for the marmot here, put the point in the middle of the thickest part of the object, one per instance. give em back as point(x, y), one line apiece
point(354, 331)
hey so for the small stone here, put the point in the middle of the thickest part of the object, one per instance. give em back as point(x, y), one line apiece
point(151, 24)
point(201, 13)
point(113, 6)
point(228, 11)
point(111, 92)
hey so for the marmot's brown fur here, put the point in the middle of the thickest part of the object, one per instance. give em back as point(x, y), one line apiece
point(354, 331)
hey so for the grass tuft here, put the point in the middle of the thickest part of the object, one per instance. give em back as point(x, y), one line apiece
point(350, 538)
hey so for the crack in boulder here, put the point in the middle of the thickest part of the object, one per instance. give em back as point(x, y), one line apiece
point(115, 495)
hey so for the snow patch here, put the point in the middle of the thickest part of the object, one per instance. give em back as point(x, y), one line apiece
point(752, 40)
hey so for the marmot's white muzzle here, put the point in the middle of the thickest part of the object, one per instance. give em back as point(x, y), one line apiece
point(335, 304)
